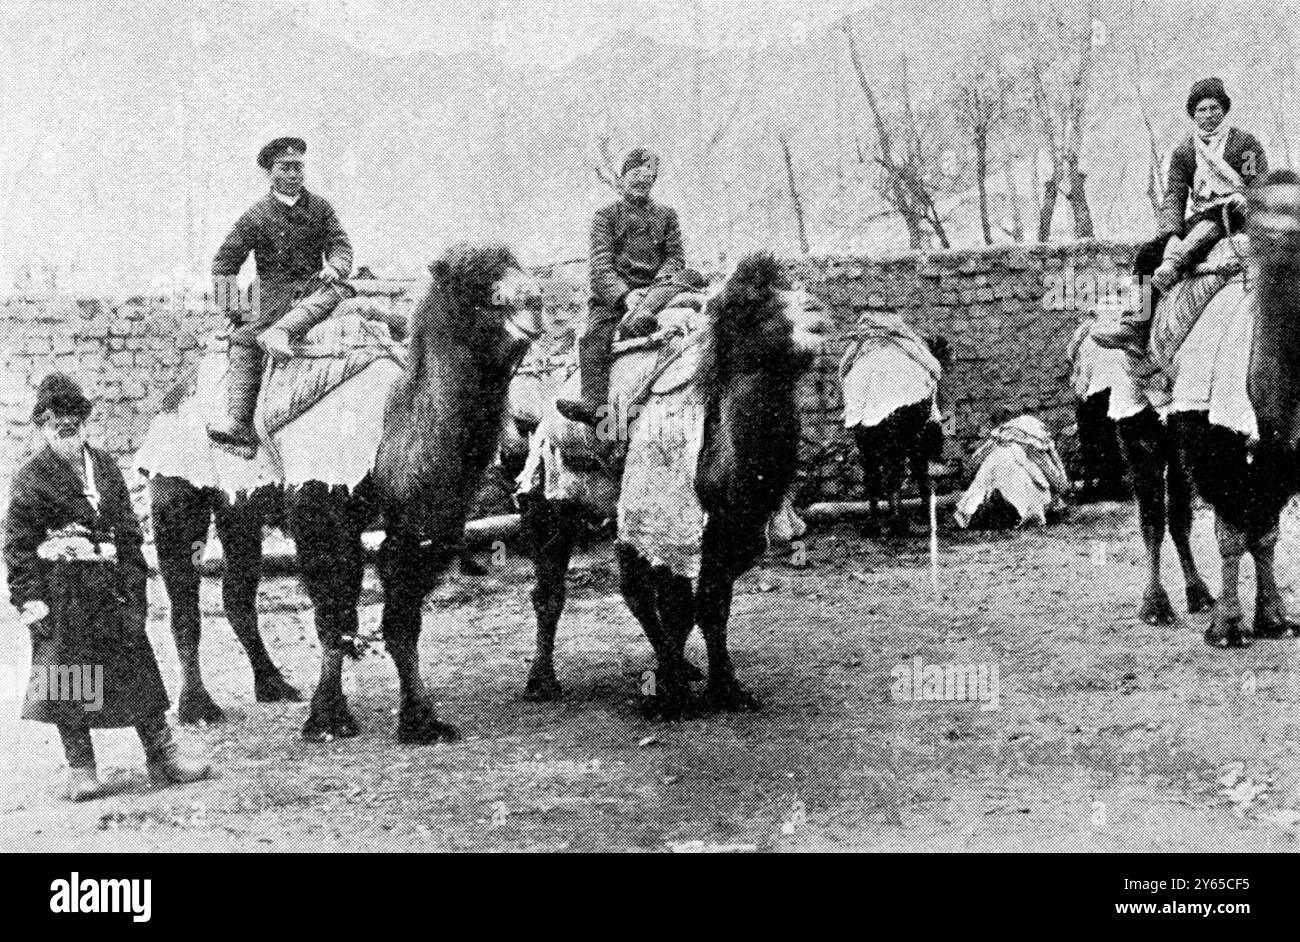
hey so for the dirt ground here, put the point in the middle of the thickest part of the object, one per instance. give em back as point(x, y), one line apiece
point(1109, 734)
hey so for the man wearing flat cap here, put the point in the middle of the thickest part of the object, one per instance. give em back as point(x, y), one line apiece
point(1204, 202)
point(303, 257)
point(635, 243)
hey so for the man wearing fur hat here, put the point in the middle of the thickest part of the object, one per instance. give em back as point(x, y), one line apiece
point(302, 256)
point(635, 243)
point(78, 579)
point(1208, 176)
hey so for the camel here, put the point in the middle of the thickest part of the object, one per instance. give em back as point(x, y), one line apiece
point(756, 341)
point(342, 464)
point(1241, 458)
point(890, 388)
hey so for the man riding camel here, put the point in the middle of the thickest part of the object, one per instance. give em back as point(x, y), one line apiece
point(303, 257)
point(635, 243)
point(1208, 176)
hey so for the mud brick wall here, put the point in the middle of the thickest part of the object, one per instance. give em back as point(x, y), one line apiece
point(1007, 314)
point(125, 353)
point(1006, 328)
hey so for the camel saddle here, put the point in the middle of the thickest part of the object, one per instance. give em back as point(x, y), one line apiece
point(333, 352)
point(1180, 309)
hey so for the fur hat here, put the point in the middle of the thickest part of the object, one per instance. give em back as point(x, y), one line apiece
point(1208, 88)
point(638, 156)
point(273, 151)
point(60, 394)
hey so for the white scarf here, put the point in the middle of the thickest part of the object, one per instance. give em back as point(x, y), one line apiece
point(1215, 179)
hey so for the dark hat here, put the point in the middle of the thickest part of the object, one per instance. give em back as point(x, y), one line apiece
point(638, 156)
point(1208, 88)
point(273, 151)
point(59, 393)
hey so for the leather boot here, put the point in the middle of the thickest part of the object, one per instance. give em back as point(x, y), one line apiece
point(595, 357)
point(83, 784)
point(164, 761)
point(242, 385)
point(1180, 251)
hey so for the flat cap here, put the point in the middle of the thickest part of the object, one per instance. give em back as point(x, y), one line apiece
point(278, 147)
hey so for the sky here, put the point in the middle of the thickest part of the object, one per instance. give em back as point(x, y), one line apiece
point(549, 32)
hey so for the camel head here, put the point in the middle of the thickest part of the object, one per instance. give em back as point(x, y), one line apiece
point(481, 299)
point(1273, 225)
point(761, 323)
point(763, 335)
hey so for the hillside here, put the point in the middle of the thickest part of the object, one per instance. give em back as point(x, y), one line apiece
point(133, 127)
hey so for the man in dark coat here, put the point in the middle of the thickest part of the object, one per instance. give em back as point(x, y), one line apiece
point(1208, 176)
point(78, 579)
point(303, 257)
point(635, 243)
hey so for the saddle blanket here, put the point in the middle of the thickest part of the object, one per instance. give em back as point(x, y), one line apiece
point(659, 513)
point(1019, 461)
point(1202, 336)
point(885, 367)
point(336, 385)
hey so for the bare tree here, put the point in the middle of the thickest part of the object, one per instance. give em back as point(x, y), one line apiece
point(905, 185)
point(794, 194)
point(1060, 71)
point(980, 104)
point(1156, 164)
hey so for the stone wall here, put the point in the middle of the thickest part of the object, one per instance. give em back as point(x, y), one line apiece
point(1007, 314)
point(1006, 327)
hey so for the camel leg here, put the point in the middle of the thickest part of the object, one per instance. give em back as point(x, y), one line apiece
point(409, 571)
point(1179, 491)
point(677, 613)
point(1225, 626)
point(239, 527)
point(319, 521)
point(641, 587)
point(1146, 444)
point(551, 532)
point(718, 571)
point(180, 512)
point(1270, 616)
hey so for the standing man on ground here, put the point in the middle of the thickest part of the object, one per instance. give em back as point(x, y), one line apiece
point(635, 243)
point(303, 257)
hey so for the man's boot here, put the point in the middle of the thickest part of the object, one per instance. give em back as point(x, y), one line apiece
point(79, 750)
point(163, 758)
point(595, 357)
point(83, 784)
point(243, 382)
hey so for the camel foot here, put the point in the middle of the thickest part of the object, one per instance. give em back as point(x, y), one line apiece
point(329, 719)
point(1226, 633)
point(728, 696)
point(669, 699)
point(1199, 598)
point(418, 725)
point(1273, 627)
point(195, 705)
point(275, 689)
point(542, 686)
point(1156, 609)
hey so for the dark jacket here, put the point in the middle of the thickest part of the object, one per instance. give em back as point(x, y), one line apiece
point(631, 244)
point(288, 242)
point(1241, 151)
point(97, 609)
